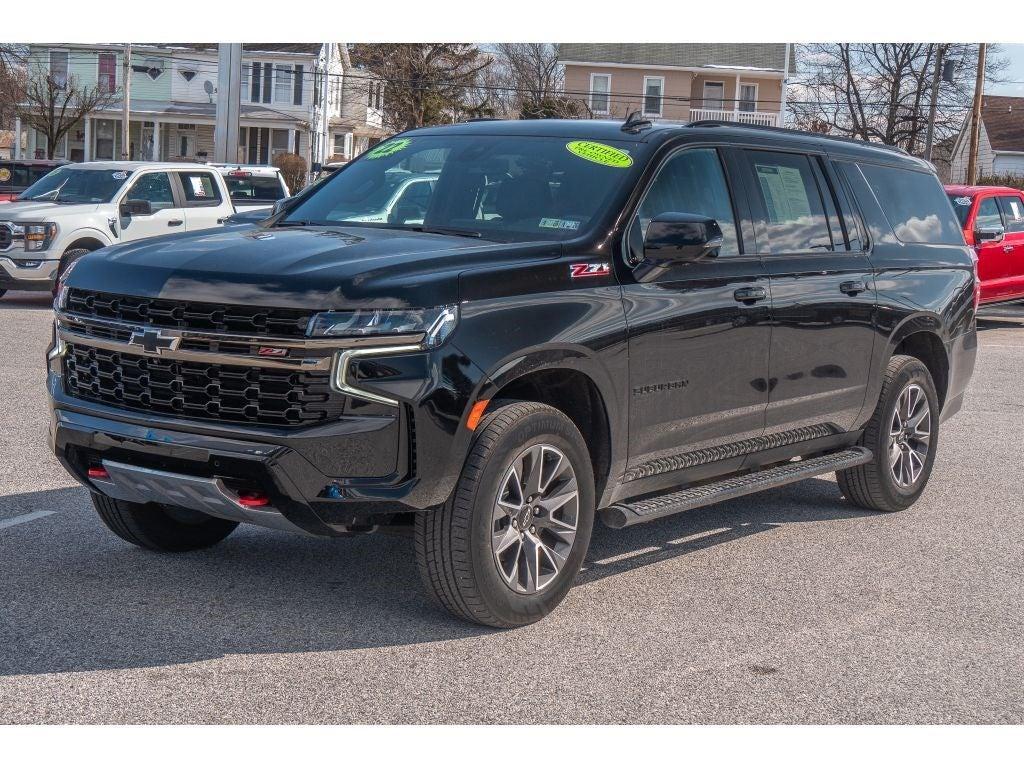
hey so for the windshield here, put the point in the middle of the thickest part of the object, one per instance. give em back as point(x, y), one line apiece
point(504, 188)
point(77, 185)
point(962, 207)
point(254, 189)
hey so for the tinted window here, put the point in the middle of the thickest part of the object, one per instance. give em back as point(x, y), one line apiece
point(961, 207)
point(200, 188)
point(254, 189)
point(1013, 213)
point(503, 188)
point(791, 205)
point(988, 214)
point(692, 182)
point(155, 188)
point(914, 204)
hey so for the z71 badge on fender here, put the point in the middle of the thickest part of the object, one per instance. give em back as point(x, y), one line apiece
point(595, 269)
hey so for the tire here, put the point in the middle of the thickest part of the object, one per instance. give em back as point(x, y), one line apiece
point(875, 485)
point(463, 564)
point(161, 529)
point(69, 257)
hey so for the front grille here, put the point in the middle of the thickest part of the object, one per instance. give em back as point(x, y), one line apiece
point(225, 393)
point(6, 237)
point(189, 315)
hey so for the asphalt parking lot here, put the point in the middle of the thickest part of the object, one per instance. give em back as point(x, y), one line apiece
point(791, 606)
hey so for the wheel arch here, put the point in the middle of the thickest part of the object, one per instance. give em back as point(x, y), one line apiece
point(921, 337)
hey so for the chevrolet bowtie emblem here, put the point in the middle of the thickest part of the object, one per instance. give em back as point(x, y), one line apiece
point(154, 342)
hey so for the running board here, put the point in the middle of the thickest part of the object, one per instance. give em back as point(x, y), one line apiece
point(630, 513)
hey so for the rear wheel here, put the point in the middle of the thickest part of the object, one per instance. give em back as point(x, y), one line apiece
point(161, 528)
point(506, 547)
point(903, 435)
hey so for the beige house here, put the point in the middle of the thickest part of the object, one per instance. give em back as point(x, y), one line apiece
point(680, 82)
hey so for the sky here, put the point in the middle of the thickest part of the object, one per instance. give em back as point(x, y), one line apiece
point(1013, 73)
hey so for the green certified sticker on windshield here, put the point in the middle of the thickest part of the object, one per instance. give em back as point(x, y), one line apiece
point(388, 148)
point(601, 154)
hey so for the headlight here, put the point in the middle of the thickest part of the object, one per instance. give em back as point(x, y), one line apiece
point(37, 237)
point(435, 324)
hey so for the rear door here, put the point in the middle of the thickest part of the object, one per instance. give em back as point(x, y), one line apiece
point(167, 216)
point(203, 199)
point(823, 297)
point(1012, 209)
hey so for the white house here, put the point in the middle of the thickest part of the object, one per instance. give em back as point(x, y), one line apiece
point(1000, 142)
point(173, 101)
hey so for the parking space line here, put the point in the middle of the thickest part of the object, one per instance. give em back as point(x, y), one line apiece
point(26, 518)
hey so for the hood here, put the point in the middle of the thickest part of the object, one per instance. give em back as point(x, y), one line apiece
point(313, 268)
point(31, 210)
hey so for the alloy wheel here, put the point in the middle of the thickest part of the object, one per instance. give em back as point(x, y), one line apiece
point(910, 434)
point(533, 524)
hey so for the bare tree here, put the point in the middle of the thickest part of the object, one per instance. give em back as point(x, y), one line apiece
point(881, 91)
point(426, 83)
point(530, 82)
point(53, 106)
point(12, 82)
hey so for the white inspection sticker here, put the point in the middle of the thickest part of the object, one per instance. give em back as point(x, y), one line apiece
point(962, 200)
point(559, 224)
point(119, 175)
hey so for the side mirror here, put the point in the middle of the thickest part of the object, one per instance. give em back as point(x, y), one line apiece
point(136, 208)
point(990, 235)
point(680, 238)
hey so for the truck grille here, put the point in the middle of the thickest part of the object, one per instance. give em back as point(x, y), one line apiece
point(225, 393)
point(6, 237)
point(189, 315)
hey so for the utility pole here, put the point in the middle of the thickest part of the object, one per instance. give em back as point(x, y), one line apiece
point(126, 80)
point(785, 80)
point(930, 135)
point(979, 90)
point(229, 98)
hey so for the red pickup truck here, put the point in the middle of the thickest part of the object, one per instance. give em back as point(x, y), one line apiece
point(992, 219)
point(18, 175)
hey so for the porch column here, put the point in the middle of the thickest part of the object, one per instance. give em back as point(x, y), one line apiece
point(736, 101)
point(87, 141)
point(16, 154)
point(293, 141)
point(30, 144)
point(156, 141)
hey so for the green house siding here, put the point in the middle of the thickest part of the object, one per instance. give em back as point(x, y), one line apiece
point(83, 66)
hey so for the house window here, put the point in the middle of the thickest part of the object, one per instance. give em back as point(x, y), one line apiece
point(339, 143)
point(278, 142)
point(297, 92)
point(600, 89)
point(268, 76)
point(104, 130)
point(654, 91)
point(107, 78)
point(748, 97)
point(59, 67)
point(714, 95)
point(283, 90)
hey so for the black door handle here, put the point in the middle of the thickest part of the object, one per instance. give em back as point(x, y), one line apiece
point(750, 294)
point(175, 223)
point(853, 287)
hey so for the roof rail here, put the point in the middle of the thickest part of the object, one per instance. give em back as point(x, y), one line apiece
point(776, 129)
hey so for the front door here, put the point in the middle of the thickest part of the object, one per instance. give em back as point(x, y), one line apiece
point(1012, 208)
point(698, 332)
point(823, 297)
point(167, 216)
point(993, 255)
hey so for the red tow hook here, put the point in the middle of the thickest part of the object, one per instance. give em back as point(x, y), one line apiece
point(98, 473)
point(253, 499)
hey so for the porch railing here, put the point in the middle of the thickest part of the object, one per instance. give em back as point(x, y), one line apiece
point(752, 118)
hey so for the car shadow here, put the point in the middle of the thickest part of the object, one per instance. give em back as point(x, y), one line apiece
point(26, 300)
point(79, 599)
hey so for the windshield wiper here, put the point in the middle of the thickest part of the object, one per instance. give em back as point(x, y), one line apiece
point(446, 231)
point(294, 224)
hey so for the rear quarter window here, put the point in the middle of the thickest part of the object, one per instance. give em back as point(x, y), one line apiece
point(200, 188)
point(914, 204)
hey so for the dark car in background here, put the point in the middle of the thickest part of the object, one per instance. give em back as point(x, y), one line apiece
point(18, 175)
point(577, 320)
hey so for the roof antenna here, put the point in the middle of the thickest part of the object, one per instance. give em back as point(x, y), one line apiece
point(635, 122)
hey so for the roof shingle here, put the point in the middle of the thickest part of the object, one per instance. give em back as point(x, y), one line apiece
point(1003, 118)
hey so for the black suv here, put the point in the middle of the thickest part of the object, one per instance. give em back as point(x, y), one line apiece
point(572, 319)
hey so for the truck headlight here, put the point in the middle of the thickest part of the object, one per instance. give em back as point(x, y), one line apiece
point(435, 324)
point(38, 237)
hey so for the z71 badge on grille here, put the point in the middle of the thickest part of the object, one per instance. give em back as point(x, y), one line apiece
point(592, 269)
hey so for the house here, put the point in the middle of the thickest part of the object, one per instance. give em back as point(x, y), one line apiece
point(680, 82)
point(1000, 141)
point(173, 101)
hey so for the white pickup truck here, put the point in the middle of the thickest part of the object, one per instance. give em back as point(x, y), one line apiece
point(80, 207)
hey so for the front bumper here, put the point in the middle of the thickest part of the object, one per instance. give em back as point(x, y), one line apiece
point(22, 271)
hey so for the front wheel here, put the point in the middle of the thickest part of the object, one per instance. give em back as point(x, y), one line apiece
point(902, 433)
point(506, 547)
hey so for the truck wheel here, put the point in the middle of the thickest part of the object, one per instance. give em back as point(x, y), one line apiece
point(160, 528)
point(68, 258)
point(903, 433)
point(505, 548)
